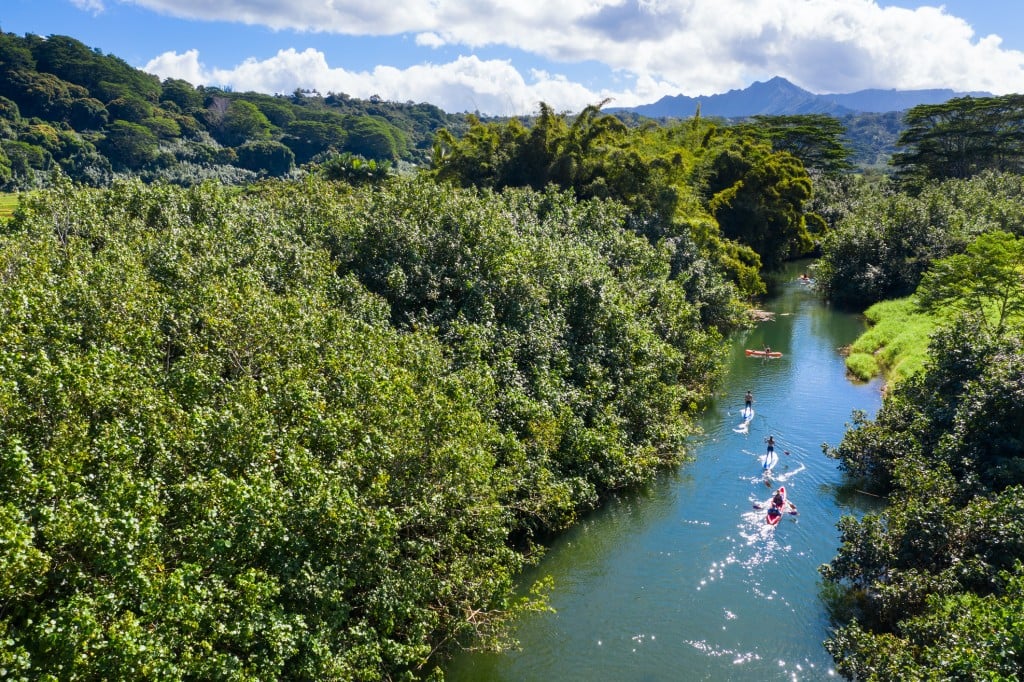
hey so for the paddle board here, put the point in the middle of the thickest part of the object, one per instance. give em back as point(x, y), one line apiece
point(762, 354)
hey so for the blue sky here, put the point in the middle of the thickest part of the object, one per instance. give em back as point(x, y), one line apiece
point(503, 57)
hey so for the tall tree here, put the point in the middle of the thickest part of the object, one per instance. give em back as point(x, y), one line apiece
point(815, 139)
point(961, 138)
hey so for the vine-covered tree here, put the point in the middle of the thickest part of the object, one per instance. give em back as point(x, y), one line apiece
point(757, 196)
point(243, 122)
point(128, 145)
point(374, 138)
point(268, 157)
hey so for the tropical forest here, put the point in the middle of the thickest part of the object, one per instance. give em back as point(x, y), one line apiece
point(301, 386)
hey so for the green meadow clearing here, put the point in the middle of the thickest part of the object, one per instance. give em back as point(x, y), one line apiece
point(8, 202)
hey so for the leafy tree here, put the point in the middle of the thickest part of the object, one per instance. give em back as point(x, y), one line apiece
point(309, 138)
point(88, 114)
point(884, 244)
point(104, 76)
point(914, 587)
point(131, 109)
point(757, 196)
point(42, 94)
point(9, 110)
point(6, 172)
point(128, 145)
point(816, 139)
point(988, 279)
point(27, 163)
point(182, 93)
point(279, 112)
point(268, 157)
point(242, 123)
point(374, 138)
point(15, 56)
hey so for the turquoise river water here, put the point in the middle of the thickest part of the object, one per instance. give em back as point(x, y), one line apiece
point(683, 580)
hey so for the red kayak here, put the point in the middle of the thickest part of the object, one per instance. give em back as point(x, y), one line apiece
point(763, 354)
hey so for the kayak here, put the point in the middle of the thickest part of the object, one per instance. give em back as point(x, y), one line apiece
point(774, 514)
point(763, 354)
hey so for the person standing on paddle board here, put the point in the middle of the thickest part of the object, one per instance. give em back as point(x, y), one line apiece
point(771, 444)
point(748, 400)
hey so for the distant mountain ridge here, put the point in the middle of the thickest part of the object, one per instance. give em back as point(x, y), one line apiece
point(779, 97)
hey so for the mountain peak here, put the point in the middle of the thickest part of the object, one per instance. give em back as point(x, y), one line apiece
point(779, 97)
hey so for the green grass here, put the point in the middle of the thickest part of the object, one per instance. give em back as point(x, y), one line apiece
point(896, 345)
point(8, 202)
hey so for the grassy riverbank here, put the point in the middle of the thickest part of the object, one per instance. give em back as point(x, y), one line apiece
point(896, 345)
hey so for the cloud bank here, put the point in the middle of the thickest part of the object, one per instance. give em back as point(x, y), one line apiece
point(654, 48)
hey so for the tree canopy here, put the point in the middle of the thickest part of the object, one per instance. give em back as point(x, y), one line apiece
point(313, 431)
point(816, 139)
point(961, 138)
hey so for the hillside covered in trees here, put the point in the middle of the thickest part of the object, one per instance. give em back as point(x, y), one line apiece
point(92, 115)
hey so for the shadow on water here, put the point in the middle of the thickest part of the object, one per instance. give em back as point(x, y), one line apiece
point(683, 579)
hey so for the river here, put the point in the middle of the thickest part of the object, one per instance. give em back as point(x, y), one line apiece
point(683, 580)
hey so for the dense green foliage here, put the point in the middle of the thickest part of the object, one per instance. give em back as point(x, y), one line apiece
point(987, 280)
point(724, 187)
point(931, 589)
point(93, 115)
point(884, 239)
point(308, 431)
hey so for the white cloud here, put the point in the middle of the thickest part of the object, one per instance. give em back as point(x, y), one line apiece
point(465, 84)
point(93, 6)
point(694, 47)
point(429, 39)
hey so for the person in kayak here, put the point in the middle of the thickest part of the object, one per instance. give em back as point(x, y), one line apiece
point(779, 498)
point(781, 501)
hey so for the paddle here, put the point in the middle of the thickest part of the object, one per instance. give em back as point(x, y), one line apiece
point(792, 507)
